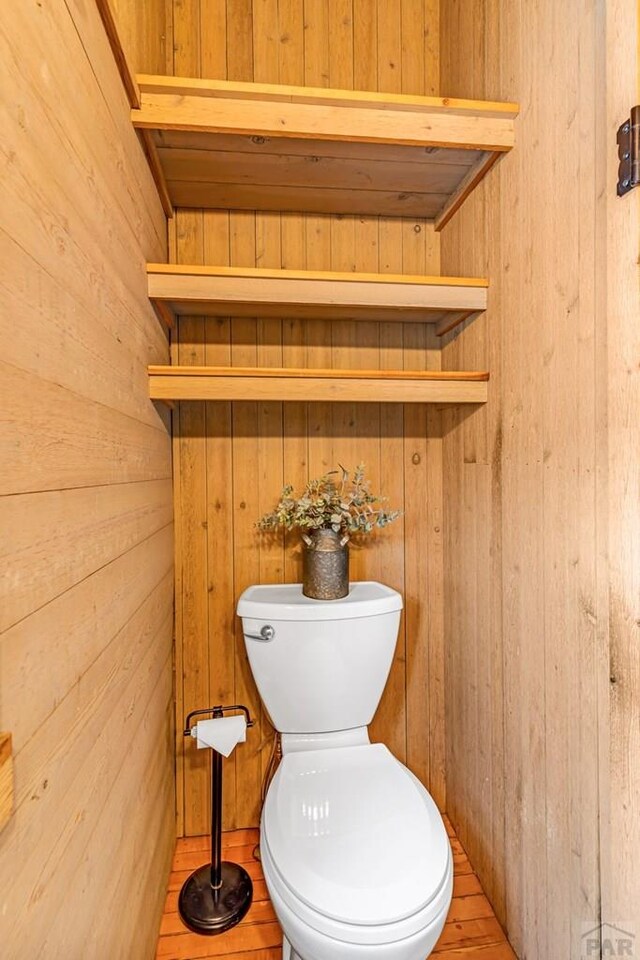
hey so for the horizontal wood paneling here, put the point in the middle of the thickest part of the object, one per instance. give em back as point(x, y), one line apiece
point(85, 503)
point(231, 460)
point(97, 445)
point(99, 360)
point(86, 529)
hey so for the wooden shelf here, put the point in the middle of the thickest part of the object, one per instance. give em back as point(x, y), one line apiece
point(247, 292)
point(225, 144)
point(275, 383)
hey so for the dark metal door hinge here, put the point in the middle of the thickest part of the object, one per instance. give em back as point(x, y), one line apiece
point(629, 152)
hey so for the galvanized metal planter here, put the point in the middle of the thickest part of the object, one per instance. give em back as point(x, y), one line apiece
point(325, 565)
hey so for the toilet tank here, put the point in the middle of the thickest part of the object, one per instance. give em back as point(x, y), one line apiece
point(323, 665)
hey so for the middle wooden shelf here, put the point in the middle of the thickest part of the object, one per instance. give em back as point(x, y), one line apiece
point(313, 295)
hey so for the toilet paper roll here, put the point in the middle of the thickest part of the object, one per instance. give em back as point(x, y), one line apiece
point(221, 733)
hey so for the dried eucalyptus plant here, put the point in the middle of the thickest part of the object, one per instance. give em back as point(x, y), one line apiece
point(337, 501)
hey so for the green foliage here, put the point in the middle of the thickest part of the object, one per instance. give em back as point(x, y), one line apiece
point(337, 501)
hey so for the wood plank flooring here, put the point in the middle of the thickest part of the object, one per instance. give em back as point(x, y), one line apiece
point(471, 932)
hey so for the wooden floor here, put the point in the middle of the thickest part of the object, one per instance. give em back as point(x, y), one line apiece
point(471, 932)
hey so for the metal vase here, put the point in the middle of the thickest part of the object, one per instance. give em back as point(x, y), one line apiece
point(325, 565)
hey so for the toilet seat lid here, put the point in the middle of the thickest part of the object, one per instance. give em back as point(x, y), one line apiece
point(354, 835)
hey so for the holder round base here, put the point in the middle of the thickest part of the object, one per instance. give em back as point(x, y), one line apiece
point(205, 910)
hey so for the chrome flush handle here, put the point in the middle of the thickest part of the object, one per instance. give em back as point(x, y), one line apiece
point(267, 633)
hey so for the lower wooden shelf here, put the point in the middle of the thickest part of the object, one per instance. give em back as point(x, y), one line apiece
point(276, 383)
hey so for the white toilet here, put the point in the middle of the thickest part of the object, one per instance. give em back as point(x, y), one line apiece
point(355, 853)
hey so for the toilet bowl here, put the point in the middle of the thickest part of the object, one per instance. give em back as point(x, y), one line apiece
point(355, 853)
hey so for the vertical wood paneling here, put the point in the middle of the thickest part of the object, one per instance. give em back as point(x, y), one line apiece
point(145, 32)
point(246, 507)
point(527, 591)
point(219, 467)
point(189, 427)
point(86, 564)
point(621, 822)
point(343, 43)
point(392, 712)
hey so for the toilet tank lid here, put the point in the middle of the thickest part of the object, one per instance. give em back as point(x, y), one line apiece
point(285, 601)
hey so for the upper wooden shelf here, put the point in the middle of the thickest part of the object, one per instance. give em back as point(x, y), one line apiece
point(224, 144)
point(276, 383)
point(306, 294)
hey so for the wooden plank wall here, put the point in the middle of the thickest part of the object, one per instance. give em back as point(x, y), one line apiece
point(526, 580)
point(145, 32)
point(231, 461)
point(621, 683)
point(86, 582)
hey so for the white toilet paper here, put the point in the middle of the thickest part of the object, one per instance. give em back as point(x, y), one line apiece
point(220, 733)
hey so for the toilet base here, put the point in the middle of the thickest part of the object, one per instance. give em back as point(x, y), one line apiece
point(288, 953)
point(314, 945)
point(206, 910)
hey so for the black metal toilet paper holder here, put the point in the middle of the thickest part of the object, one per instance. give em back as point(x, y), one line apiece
point(218, 894)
